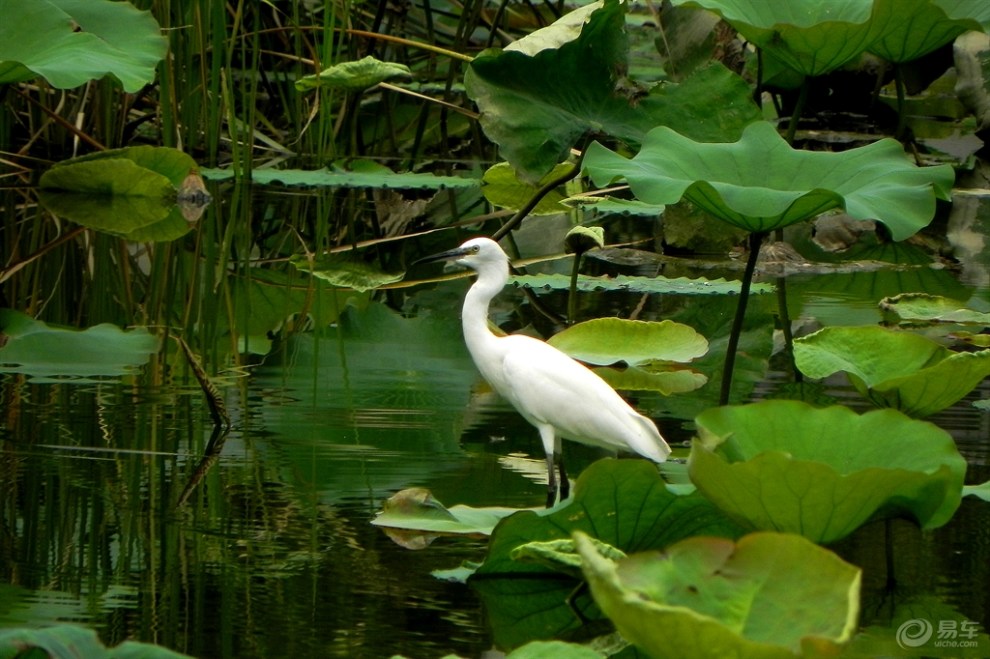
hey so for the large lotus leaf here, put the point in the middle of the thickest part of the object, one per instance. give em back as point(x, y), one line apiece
point(893, 368)
point(760, 183)
point(606, 341)
point(70, 42)
point(767, 595)
point(812, 37)
point(33, 347)
point(822, 472)
point(622, 503)
point(543, 92)
point(913, 28)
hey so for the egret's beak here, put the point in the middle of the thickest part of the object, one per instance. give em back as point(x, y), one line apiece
point(449, 255)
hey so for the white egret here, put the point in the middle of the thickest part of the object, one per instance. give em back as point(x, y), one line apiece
point(558, 395)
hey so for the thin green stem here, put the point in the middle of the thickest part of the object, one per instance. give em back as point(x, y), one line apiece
point(901, 114)
point(802, 100)
point(572, 290)
point(755, 241)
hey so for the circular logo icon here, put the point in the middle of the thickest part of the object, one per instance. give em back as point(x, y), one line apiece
point(914, 633)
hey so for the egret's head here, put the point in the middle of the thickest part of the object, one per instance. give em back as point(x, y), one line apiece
point(476, 254)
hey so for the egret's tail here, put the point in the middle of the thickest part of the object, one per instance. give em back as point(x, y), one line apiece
point(652, 444)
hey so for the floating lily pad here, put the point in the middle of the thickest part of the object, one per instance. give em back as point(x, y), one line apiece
point(760, 183)
point(893, 368)
point(679, 285)
point(128, 192)
point(652, 350)
point(356, 174)
point(70, 42)
point(354, 76)
point(766, 595)
point(346, 271)
point(922, 307)
point(822, 472)
point(415, 509)
point(604, 341)
point(43, 351)
point(622, 503)
point(81, 175)
point(614, 205)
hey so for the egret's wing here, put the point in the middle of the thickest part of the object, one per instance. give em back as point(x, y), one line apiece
point(547, 386)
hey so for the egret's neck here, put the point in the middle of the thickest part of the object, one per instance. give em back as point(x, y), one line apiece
point(474, 316)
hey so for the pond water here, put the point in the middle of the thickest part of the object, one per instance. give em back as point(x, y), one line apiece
point(117, 512)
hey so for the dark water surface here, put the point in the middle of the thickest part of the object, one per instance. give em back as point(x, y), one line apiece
point(272, 552)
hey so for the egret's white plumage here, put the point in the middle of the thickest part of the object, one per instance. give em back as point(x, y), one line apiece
point(559, 396)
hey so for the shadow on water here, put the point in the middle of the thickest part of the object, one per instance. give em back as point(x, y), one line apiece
point(117, 511)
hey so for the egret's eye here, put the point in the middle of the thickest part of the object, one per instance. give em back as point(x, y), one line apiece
point(474, 249)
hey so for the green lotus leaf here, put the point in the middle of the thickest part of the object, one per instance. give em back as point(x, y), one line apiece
point(43, 351)
point(415, 509)
point(925, 308)
point(118, 215)
point(622, 503)
point(502, 188)
point(766, 595)
point(580, 239)
point(346, 271)
point(760, 183)
point(166, 161)
point(913, 28)
point(111, 177)
point(981, 491)
point(127, 192)
point(539, 95)
point(606, 341)
point(614, 205)
point(822, 472)
point(353, 76)
point(893, 368)
point(70, 42)
point(812, 37)
point(662, 377)
point(356, 174)
point(678, 286)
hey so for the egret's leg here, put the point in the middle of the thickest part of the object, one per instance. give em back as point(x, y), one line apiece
point(551, 482)
point(549, 439)
point(558, 452)
point(565, 485)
